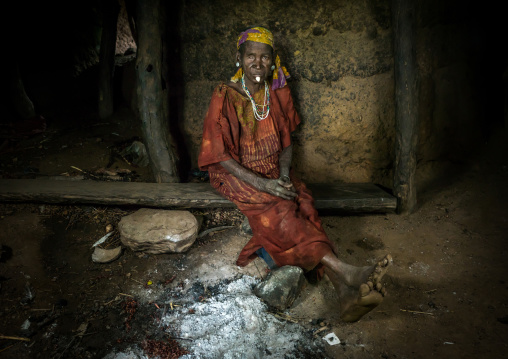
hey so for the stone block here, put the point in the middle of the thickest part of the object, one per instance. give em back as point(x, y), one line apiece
point(281, 287)
point(156, 231)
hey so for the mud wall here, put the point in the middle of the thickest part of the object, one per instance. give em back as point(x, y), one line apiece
point(339, 54)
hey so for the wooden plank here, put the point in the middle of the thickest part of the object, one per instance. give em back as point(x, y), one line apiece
point(352, 197)
point(112, 193)
point(346, 197)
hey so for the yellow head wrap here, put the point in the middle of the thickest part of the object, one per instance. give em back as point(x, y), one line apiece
point(262, 35)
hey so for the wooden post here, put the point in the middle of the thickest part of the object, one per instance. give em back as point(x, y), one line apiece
point(23, 106)
point(130, 7)
point(406, 104)
point(505, 89)
point(110, 11)
point(152, 91)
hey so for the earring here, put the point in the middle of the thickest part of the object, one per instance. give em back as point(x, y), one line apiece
point(273, 67)
point(237, 64)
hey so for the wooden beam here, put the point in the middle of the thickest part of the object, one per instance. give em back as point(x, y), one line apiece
point(352, 197)
point(406, 104)
point(344, 197)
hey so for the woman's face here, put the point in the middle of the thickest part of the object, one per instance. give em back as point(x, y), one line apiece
point(256, 61)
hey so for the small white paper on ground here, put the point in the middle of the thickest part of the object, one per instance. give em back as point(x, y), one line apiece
point(102, 240)
point(331, 339)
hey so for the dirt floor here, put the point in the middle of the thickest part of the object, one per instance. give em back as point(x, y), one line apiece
point(447, 290)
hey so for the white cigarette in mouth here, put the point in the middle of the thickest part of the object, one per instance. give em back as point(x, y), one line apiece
point(258, 78)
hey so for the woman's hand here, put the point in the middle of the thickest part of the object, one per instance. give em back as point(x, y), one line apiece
point(279, 188)
point(287, 183)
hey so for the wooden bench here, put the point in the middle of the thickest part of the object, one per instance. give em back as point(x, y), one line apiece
point(341, 197)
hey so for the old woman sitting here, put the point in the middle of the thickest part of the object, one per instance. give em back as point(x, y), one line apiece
point(247, 150)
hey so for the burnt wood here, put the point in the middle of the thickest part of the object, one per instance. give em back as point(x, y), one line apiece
point(343, 197)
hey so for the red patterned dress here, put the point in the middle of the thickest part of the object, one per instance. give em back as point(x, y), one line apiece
point(289, 230)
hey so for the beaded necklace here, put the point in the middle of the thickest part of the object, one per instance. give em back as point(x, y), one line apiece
point(265, 107)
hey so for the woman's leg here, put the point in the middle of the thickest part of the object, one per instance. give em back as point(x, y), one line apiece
point(359, 288)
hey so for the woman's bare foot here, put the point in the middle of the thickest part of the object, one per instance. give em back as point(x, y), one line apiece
point(380, 270)
point(359, 288)
point(355, 303)
point(354, 276)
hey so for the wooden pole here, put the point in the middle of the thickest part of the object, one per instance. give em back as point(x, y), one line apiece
point(130, 7)
point(23, 106)
point(152, 92)
point(406, 104)
point(110, 11)
point(166, 62)
point(505, 87)
point(17, 39)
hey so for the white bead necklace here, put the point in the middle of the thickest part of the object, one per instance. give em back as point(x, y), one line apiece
point(265, 107)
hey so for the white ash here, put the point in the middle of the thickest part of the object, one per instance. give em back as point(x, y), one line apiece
point(234, 323)
point(130, 353)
